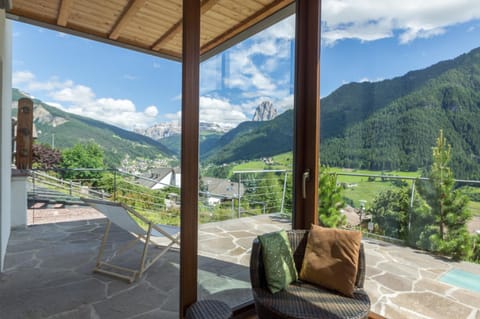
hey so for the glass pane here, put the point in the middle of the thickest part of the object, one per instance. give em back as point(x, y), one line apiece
point(246, 136)
point(399, 147)
point(93, 104)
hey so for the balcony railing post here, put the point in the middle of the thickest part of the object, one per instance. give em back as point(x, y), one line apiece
point(114, 185)
point(284, 190)
point(239, 182)
point(411, 205)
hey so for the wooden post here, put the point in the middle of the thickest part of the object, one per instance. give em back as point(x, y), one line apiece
point(307, 113)
point(23, 156)
point(189, 154)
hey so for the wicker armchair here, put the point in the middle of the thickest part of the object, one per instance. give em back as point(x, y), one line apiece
point(300, 299)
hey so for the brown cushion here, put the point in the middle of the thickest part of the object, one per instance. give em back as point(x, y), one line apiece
point(331, 259)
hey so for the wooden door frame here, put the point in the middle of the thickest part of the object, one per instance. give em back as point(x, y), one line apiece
point(189, 154)
point(307, 113)
point(306, 126)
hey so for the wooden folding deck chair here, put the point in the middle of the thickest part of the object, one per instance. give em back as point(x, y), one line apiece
point(121, 215)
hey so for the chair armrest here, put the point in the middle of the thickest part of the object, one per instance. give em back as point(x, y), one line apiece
point(257, 269)
point(298, 242)
point(360, 280)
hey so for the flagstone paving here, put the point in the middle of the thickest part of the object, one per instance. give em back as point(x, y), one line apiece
point(48, 274)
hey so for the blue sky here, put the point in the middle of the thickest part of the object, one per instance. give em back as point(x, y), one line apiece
point(367, 40)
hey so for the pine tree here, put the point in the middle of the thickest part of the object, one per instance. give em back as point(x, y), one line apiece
point(449, 234)
point(390, 211)
point(330, 200)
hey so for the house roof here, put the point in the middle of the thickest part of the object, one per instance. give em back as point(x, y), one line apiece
point(223, 187)
point(154, 176)
point(153, 26)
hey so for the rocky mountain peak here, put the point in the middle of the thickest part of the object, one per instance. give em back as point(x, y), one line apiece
point(166, 129)
point(264, 112)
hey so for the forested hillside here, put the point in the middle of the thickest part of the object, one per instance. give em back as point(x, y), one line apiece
point(355, 102)
point(251, 140)
point(400, 135)
point(387, 125)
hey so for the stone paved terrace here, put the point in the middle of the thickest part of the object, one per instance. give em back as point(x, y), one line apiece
point(48, 274)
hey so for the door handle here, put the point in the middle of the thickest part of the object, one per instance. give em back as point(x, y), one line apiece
point(305, 178)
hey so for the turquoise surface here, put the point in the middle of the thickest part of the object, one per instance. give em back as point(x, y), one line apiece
point(462, 279)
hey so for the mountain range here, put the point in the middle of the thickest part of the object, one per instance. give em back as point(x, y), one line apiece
point(386, 125)
point(55, 126)
point(210, 133)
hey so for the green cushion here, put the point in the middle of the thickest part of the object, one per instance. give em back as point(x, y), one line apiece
point(278, 260)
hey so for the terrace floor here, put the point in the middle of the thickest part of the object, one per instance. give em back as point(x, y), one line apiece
point(48, 273)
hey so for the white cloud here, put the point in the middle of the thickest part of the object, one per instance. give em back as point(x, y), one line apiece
point(81, 99)
point(284, 104)
point(253, 65)
point(220, 111)
point(257, 70)
point(216, 110)
point(28, 82)
point(22, 77)
point(370, 20)
point(174, 117)
point(246, 75)
point(78, 94)
point(151, 111)
point(412, 34)
point(52, 84)
point(110, 106)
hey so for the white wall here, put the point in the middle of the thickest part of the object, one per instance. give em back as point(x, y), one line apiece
point(5, 133)
point(19, 197)
point(164, 182)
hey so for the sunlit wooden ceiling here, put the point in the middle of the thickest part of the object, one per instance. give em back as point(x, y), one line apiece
point(153, 26)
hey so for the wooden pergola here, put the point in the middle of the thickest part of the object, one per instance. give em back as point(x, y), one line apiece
point(191, 31)
point(153, 26)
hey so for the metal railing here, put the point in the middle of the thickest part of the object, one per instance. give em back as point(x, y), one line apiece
point(362, 194)
point(256, 192)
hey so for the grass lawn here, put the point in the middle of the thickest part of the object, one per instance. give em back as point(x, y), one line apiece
point(361, 188)
point(474, 208)
point(249, 166)
point(280, 162)
point(366, 191)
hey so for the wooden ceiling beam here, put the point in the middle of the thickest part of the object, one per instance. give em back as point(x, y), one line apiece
point(84, 18)
point(130, 10)
point(64, 13)
point(167, 36)
point(245, 24)
point(177, 27)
